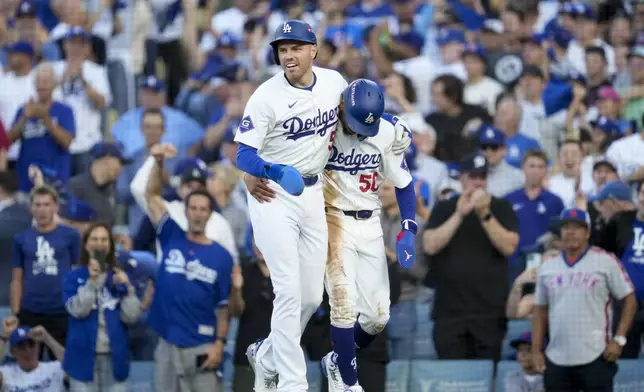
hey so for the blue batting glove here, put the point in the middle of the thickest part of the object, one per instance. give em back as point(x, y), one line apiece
point(288, 178)
point(405, 245)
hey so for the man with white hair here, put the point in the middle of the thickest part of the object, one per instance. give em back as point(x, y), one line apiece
point(427, 167)
point(45, 128)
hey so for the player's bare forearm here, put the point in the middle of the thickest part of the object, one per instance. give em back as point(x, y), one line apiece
point(156, 204)
point(539, 325)
point(505, 241)
point(54, 346)
point(223, 321)
point(434, 240)
point(236, 304)
point(629, 307)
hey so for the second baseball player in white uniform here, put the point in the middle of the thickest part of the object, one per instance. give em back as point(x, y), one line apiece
point(357, 279)
point(285, 136)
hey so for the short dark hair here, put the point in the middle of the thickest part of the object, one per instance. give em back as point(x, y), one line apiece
point(453, 87)
point(534, 153)
point(43, 190)
point(598, 50)
point(200, 192)
point(8, 182)
point(152, 112)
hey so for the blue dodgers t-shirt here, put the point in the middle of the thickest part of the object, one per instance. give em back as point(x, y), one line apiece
point(633, 258)
point(39, 147)
point(192, 280)
point(45, 259)
point(516, 146)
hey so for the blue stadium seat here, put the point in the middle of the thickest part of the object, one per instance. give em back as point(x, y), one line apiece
point(424, 342)
point(630, 377)
point(502, 369)
point(141, 377)
point(314, 375)
point(515, 328)
point(398, 376)
point(440, 376)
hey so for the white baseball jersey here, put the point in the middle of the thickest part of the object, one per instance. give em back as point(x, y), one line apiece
point(47, 377)
point(357, 167)
point(293, 126)
point(578, 296)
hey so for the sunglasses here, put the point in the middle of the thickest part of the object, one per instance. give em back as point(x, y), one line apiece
point(491, 147)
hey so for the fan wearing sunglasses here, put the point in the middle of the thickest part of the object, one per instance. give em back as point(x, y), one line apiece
point(501, 177)
point(28, 373)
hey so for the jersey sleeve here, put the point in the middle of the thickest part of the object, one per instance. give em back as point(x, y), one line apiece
point(258, 120)
point(167, 229)
point(541, 291)
point(618, 281)
point(395, 168)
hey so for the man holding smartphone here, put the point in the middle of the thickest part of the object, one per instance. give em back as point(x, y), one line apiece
point(194, 278)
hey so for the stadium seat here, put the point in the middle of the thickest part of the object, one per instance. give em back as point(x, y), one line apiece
point(630, 377)
point(502, 369)
point(141, 377)
point(443, 376)
point(515, 328)
point(398, 376)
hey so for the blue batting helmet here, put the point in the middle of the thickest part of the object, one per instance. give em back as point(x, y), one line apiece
point(364, 103)
point(293, 30)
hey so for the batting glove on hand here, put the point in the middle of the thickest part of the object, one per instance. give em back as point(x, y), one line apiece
point(288, 178)
point(405, 248)
point(403, 138)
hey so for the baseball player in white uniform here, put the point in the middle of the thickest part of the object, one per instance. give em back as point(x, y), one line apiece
point(285, 140)
point(357, 279)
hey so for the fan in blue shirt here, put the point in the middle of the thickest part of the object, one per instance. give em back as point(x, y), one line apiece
point(193, 279)
point(42, 255)
point(46, 128)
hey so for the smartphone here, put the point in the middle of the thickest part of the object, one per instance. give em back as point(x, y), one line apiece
point(533, 261)
point(201, 359)
point(100, 256)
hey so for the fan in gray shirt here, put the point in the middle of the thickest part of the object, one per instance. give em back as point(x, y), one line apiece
point(501, 177)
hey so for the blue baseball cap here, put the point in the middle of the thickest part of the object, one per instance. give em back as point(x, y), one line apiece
point(26, 9)
point(105, 149)
point(78, 211)
point(476, 50)
point(364, 104)
point(19, 335)
point(615, 190)
point(568, 8)
point(561, 37)
point(450, 35)
point(227, 40)
point(153, 83)
point(78, 32)
point(585, 11)
point(574, 215)
point(606, 125)
point(22, 47)
point(490, 136)
point(474, 163)
point(191, 169)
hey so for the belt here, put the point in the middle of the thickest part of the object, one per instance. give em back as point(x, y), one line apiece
point(359, 214)
point(310, 181)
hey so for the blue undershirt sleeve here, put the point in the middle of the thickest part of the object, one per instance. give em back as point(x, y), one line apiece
point(248, 161)
point(406, 198)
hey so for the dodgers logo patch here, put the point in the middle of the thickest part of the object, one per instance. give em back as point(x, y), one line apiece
point(246, 124)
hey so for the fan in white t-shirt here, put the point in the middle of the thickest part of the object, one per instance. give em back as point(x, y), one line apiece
point(27, 373)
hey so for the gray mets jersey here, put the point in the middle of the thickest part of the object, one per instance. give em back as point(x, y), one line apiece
point(578, 296)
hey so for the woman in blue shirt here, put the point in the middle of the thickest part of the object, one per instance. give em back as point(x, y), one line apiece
point(101, 302)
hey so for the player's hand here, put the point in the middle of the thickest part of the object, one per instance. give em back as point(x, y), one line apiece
point(236, 277)
point(215, 354)
point(481, 200)
point(539, 361)
point(464, 205)
point(35, 175)
point(405, 244)
point(613, 351)
point(259, 188)
point(288, 178)
point(403, 138)
point(9, 324)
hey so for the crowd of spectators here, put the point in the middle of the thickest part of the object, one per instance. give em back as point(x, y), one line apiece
point(519, 109)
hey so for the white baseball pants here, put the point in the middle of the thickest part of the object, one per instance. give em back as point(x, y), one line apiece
point(357, 277)
point(291, 233)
